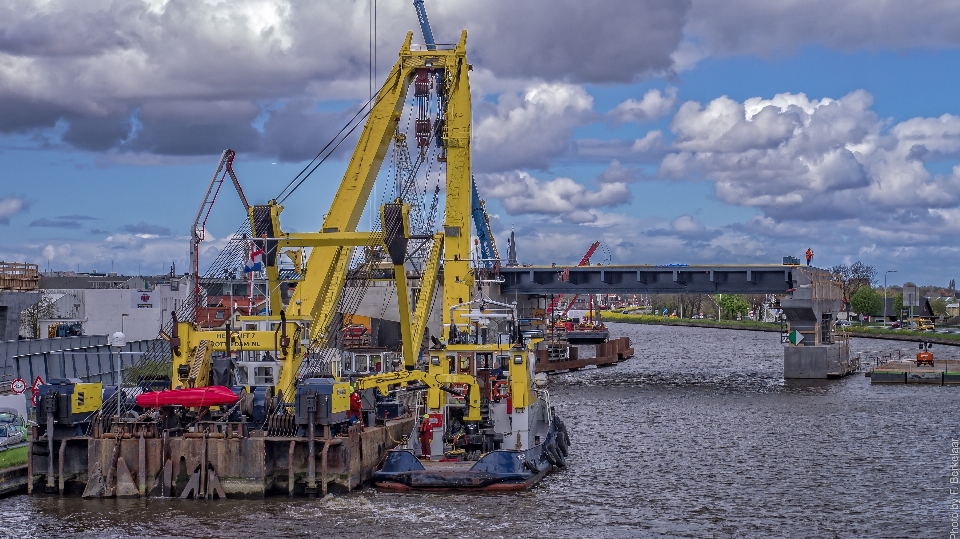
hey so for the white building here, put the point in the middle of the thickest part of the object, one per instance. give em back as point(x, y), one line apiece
point(104, 304)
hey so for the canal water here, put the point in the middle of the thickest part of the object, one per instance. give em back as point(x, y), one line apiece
point(697, 436)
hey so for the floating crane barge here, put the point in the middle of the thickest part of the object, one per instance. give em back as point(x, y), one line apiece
point(262, 408)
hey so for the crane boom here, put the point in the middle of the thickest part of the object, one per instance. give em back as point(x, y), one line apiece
point(425, 25)
point(488, 247)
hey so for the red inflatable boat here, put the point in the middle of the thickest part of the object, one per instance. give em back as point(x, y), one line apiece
point(190, 397)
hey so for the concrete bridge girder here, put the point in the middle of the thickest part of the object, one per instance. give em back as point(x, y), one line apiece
point(699, 279)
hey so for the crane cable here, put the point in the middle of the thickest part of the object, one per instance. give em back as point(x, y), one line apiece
point(362, 113)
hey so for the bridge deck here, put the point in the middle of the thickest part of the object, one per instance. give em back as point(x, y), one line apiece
point(651, 279)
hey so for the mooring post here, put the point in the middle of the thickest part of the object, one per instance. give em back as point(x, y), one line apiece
point(203, 467)
point(46, 408)
point(30, 463)
point(312, 462)
point(62, 457)
point(323, 467)
point(142, 473)
point(163, 463)
point(291, 477)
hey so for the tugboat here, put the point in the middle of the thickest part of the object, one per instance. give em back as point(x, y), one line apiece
point(491, 429)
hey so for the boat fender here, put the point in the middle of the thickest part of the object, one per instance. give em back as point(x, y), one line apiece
point(531, 466)
point(547, 454)
point(558, 457)
point(563, 443)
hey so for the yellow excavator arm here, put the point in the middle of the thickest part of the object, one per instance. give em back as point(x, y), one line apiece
point(385, 381)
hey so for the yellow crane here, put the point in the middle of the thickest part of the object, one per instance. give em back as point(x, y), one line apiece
point(314, 303)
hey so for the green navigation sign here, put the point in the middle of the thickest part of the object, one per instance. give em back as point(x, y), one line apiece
point(794, 337)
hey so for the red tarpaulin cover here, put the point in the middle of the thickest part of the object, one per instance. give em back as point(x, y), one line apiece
point(191, 397)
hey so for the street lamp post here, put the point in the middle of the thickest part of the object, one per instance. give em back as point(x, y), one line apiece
point(117, 341)
point(885, 295)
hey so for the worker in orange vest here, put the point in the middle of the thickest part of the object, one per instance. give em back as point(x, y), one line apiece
point(809, 255)
point(426, 436)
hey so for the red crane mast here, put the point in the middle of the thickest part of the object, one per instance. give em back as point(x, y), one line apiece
point(585, 261)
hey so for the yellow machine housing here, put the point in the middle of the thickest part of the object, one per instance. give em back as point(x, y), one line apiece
point(86, 398)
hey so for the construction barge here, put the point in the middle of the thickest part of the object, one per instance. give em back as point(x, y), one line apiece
point(211, 464)
point(561, 357)
point(924, 369)
point(272, 402)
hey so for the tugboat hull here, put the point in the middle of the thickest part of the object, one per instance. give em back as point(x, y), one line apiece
point(499, 470)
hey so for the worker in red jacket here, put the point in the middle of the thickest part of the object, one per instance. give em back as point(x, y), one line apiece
point(356, 408)
point(426, 436)
point(809, 255)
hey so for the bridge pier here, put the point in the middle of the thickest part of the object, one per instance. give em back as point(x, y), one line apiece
point(811, 311)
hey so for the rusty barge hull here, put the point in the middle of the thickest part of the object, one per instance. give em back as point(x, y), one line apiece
point(214, 465)
point(607, 354)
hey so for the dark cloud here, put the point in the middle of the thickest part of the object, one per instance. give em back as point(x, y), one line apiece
point(51, 223)
point(96, 133)
point(297, 131)
point(611, 41)
point(98, 232)
point(144, 228)
point(752, 26)
point(78, 217)
point(93, 65)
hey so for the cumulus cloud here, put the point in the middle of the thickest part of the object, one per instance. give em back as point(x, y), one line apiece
point(145, 229)
point(755, 26)
point(617, 173)
point(54, 223)
point(528, 131)
point(654, 105)
point(9, 207)
point(520, 193)
point(126, 253)
point(650, 142)
point(796, 158)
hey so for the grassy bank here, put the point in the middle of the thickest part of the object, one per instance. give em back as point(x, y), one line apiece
point(13, 457)
point(855, 331)
point(703, 323)
point(906, 334)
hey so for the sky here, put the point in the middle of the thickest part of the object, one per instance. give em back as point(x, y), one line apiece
point(672, 131)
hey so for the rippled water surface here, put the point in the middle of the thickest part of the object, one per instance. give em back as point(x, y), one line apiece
point(697, 436)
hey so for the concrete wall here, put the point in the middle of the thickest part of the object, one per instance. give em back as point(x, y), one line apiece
point(817, 362)
point(86, 357)
point(380, 301)
point(11, 305)
point(106, 311)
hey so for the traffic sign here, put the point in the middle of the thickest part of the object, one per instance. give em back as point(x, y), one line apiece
point(35, 389)
point(18, 386)
point(795, 337)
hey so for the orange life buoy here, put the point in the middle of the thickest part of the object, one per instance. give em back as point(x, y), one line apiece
point(500, 390)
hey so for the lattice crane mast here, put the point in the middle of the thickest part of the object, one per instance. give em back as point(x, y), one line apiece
point(585, 261)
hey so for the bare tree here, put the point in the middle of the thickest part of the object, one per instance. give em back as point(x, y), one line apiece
point(853, 277)
point(31, 316)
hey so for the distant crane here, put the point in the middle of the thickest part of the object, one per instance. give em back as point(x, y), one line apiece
point(585, 261)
